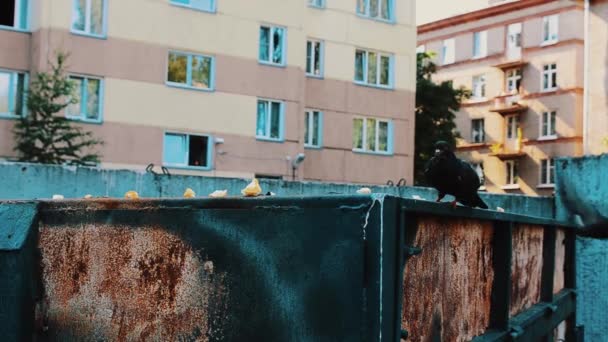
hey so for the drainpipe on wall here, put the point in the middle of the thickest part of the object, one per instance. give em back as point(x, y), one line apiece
point(586, 82)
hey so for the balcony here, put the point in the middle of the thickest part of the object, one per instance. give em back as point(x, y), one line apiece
point(510, 64)
point(509, 150)
point(508, 104)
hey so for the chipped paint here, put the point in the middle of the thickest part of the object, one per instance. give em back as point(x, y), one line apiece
point(526, 267)
point(120, 283)
point(447, 288)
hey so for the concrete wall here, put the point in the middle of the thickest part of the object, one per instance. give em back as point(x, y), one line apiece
point(581, 189)
point(28, 181)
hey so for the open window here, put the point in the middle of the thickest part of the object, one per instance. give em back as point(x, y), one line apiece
point(187, 150)
point(14, 13)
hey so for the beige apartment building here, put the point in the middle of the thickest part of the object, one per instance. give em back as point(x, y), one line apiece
point(524, 62)
point(227, 87)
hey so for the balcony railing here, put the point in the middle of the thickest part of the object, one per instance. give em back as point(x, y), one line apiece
point(508, 104)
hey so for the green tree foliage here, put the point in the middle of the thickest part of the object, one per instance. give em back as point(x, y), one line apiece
point(43, 135)
point(436, 104)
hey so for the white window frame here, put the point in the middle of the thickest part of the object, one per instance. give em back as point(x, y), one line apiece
point(549, 74)
point(188, 84)
point(87, 20)
point(379, 56)
point(512, 77)
point(309, 115)
point(512, 127)
point(480, 44)
point(18, 25)
point(541, 134)
point(420, 49)
point(478, 167)
point(389, 136)
point(186, 150)
point(511, 168)
point(12, 89)
point(316, 3)
point(366, 13)
point(473, 131)
point(550, 29)
point(266, 136)
point(448, 48)
point(190, 5)
point(545, 179)
point(272, 29)
point(310, 60)
point(83, 99)
point(479, 87)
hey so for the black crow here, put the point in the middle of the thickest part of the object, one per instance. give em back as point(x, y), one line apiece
point(452, 176)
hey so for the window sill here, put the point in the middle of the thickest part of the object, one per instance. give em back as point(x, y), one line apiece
point(87, 121)
point(510, 187)
point(482, 188)
point(317, 7)
point(477, 99)
point(213, 10)
point(312, 147)
point(549, 42)
point(479, 57)
point(276, 65)
point(363, 84)
point(264, 139)
point(545, 186)
point(89, 35)
point(188, 167)
point(182, 86)
point(9, 116)
point(548, 137)
point(320, 77)
point(391, 21)
point(447, 63)
point(383, 154)
point(548, 90)
point(16, 29)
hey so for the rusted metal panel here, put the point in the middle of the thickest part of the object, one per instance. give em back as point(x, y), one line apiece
point(560, 259)
point(447, 288)
point(526, 267)
point(121, 284)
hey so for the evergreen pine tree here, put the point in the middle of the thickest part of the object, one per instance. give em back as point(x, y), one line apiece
point(44, 136)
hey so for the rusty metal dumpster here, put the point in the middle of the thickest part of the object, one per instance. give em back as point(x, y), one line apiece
point(358, 268)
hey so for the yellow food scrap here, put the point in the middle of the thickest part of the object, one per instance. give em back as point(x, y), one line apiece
point(131, 195)
point(189, 193)
point(218, 194)
point(364, 191)
point(88, 196)
point(253, 189)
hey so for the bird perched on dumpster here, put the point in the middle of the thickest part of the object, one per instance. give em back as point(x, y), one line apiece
point(452, 176)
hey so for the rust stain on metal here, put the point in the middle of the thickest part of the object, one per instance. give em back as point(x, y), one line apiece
point(118, 283)
point(560, 259)
point(447, 288)
point(526, 267)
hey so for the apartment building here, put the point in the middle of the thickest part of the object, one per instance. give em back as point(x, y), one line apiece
point(227, 87)
point(524, 63)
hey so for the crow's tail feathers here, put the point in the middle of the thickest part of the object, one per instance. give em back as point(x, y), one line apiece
point(480, 203)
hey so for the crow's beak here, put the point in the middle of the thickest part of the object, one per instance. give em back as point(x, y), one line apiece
point(437, 152)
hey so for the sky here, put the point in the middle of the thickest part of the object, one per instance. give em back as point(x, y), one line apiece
point(431, 10)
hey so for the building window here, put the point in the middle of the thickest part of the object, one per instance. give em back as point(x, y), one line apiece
point(316, 3)
point(420, 49)
point(272, 42)
point(478, 167)
point(314, 58)
point(478, 134)
point(511, 171)
point(479, 87)
point(269, 120)
point(88, 17)
point(447, 52)
point(547, 171)
point(12, 93)
point(190, 71)
point(512, 126)
point(548, 125)
point(550, 25)
point(372, 135)
point(313, 129)
point(513, 80)
point(373, 68)
point(187, 150)
point(202, 5)
point(480, 44)
point(376, 9)
point(14, 13)
point(89, 99)
point(549, 77)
